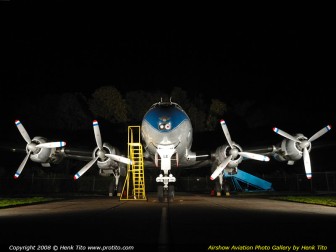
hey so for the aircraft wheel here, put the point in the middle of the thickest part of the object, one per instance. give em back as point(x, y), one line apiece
point(218, 189)
point(160, 193)
point(171, 193)
point(112, 185)
point(226, 188)
point(123, 171)
point(120, 185)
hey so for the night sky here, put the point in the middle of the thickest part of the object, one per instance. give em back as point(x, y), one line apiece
point(281, 64)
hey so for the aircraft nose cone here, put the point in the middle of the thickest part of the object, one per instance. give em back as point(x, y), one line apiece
point(305, 144)
point(234, 152)
point(101, 154)
point(31, 147)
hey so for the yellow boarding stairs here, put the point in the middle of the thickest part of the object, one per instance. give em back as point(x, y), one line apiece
point(134, 186)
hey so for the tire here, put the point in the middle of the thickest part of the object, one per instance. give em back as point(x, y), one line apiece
point(160, 193)
point(112, 185)
point(171, 193)
point(226, 187)
point(123, 171)
point(218, 189)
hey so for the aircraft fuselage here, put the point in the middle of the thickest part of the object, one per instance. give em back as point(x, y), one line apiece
point(167, 126)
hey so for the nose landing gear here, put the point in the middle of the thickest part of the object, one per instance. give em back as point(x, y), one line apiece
point(166, 194)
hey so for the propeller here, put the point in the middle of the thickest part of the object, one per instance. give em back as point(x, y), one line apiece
point(32, 147)
point(234, 152)
point(101, 153)
point(304, 145)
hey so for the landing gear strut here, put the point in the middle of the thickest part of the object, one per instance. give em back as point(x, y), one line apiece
point(116, 184)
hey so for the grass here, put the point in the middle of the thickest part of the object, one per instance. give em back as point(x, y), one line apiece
point(317, 200)
point(12, 202)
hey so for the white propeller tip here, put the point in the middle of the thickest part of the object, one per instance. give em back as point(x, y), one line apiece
point(95, 123)
point(17, 122)
point(222, 121)
point(76, 176)
point(16, 176)
point(212, 178)
point(309, 176)
point(329, 127)
point(52, 145)
point(266, 159)
point(275, 130)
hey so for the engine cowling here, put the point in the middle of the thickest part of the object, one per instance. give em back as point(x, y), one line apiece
point(107, 165)
point(289, 150)
point(224, 151)
point(44, 155)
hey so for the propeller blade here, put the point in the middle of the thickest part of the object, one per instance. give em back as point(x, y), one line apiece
point(226, 132)
point(85, 168)
point(284, 134)
point(254, 156)
point(23, 131)
point(23, 163)
point(320, 133)
point(307, 165)
point(119, 158)
point(51, 145)
point(220, 168)
point(97, 134)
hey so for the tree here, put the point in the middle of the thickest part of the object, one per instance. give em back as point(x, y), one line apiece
point(217, 109)
point(72, 113)
point(138, 102)
point(197, 118)
point(180, 96)
point(107, 102)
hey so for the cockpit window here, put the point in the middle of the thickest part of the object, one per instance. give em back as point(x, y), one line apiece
point(166, 104)
point(165, 116)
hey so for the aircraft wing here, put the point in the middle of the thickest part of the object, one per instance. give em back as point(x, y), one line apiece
point(76, 153)
point(266, 150)
point(13, 147)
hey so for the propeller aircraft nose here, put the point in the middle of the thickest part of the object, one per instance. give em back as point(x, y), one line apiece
point(304, 144)
point(31, 147)
point(234, 153)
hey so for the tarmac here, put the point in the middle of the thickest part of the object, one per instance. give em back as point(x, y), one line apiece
point(193, 222)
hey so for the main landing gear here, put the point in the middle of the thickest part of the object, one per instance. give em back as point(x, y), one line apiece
point(225, 187)
point(166, 194)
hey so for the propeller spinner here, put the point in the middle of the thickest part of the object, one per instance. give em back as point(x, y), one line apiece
point(234, 152)
point(304, 145)
point(101, 153)
point(33, 147)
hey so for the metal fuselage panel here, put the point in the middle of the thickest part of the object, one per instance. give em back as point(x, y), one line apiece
point(167, 124)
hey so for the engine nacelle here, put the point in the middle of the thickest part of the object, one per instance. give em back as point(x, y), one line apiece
point(108, 165)
point(224, 151)
point(44, 155)
point(289, 150)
